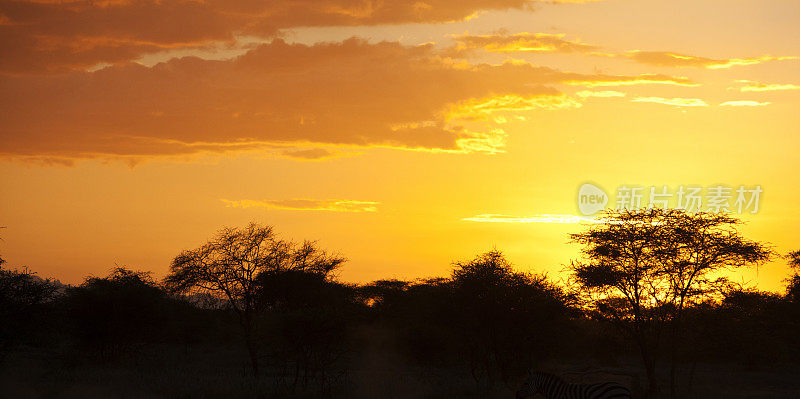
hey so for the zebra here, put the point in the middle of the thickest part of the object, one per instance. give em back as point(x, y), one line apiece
point(553, 387)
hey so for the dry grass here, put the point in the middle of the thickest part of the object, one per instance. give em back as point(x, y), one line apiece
point(206, 374)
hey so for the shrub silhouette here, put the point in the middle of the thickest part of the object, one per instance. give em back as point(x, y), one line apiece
point(308, 325)
point(25, 306)
point(471, 332)
point(115, 314)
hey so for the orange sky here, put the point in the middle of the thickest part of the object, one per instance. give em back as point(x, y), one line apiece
point(131, 130)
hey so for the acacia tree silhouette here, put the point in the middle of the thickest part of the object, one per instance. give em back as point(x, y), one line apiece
point(229, 265)
point(697, 246)
point(644, 267)
point(1, 257)
point(793, 288)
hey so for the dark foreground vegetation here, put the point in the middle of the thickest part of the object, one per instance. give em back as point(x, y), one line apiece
point(249, 315)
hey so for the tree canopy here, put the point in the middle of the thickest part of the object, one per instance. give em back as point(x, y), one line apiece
point(642, 267)
point(230, 265)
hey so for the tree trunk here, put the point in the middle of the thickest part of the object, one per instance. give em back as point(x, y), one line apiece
point(691, 377)
point(650, 368)
point(251, 347)
point(652, 378)
point(253, 358)
point(673, 366)
point(676, 329)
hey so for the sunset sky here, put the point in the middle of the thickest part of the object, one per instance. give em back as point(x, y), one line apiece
point(403, 134)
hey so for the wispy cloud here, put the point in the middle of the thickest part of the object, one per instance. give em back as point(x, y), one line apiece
point(601, 94)
point(678, 102)
point(663, 58)
point(484, 107)
point(306, 205)
point(644, 79)
point(750, 85)
point(744, 103)
point(544, 218)
point(313, 154)
point(521, 42)
point(547, 42)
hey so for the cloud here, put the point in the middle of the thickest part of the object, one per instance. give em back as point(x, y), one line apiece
point(611, 80)
point(521, 42)
point(601, 94)
point(679, 102)
point(58, 36)
point(544, 218)
point(482, 108)
point(744, 103)
point(350, 94)
point(668, 59)
point(756, 86)
point(312, 154)
point(306, 205)
point(547, 42)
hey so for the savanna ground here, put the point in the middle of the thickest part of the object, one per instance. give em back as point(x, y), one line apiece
point(31, 374)
point(251, 316)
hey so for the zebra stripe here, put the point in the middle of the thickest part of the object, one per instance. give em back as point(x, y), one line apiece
point(553, 387)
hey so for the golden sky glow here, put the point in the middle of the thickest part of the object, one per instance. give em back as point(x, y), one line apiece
point(403, 134)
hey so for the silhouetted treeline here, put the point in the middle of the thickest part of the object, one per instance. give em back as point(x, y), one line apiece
point(486, 323)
